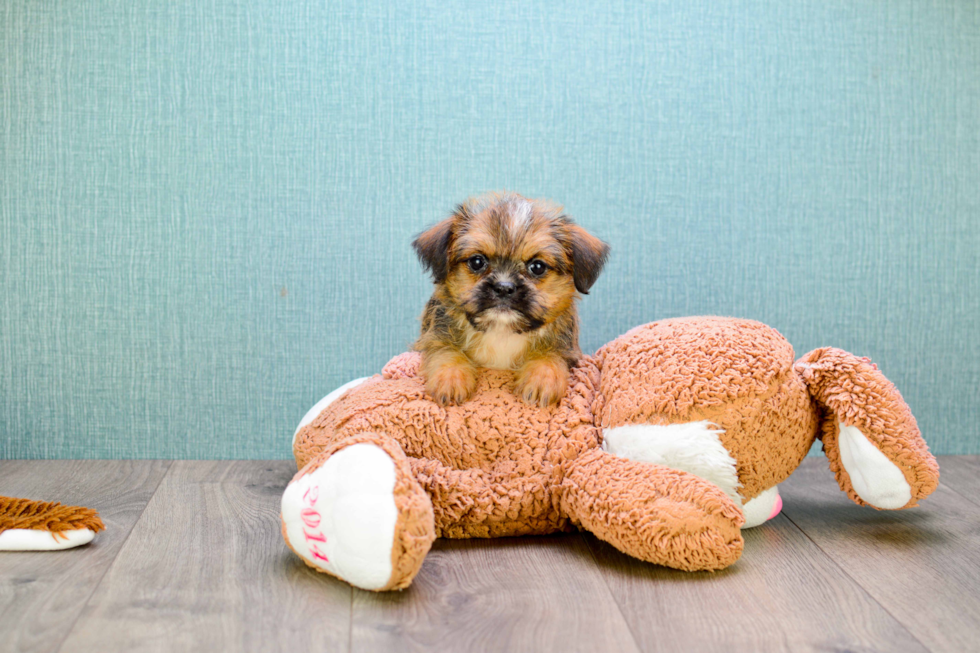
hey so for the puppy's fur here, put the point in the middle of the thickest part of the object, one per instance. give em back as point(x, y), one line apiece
point(507, 271)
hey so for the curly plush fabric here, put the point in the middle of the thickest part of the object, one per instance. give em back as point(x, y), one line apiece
point(496, 466)
point(740, 379)
point(852, 391)
point(485, 477)
point(668, 517)
point(414, 528)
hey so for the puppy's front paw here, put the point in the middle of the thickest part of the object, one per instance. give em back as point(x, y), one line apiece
point(451, 384)
point(543, 382)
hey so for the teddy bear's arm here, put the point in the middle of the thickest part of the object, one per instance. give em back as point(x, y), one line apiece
point(654, 513)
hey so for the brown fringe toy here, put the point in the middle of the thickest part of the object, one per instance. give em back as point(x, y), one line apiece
point(27, 525)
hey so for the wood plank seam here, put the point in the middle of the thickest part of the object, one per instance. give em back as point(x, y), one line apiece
point(350, 623)
point(612, 595)
point(95, 587)
point(972, 499)
point(206, 569)
point(855, 581)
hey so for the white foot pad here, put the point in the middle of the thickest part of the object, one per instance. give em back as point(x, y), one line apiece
point(762, 508)
point(26, 539)
point(341, 517)
point(692, 447)
point(876, 479)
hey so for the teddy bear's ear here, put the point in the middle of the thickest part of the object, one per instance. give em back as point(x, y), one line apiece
point(588, 255)
point(432, 248)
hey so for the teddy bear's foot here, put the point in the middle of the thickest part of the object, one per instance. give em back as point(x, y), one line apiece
point(762, 508)
point(355, 512)
point(869, 434)
point(654, 513)
point(874, 478)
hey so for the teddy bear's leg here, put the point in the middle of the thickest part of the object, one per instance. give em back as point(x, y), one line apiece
point(696, 448)
point(661, 515)
point(868, 432)
point(355, 511)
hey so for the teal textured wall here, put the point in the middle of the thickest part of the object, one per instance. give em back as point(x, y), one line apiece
point(206, 207)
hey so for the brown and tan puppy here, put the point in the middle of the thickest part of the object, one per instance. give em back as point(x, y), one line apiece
point(507, 271)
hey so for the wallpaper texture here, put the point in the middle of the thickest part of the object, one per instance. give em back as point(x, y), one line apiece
point(206, 207)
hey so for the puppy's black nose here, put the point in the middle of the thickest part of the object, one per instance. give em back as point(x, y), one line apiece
point(504, 288)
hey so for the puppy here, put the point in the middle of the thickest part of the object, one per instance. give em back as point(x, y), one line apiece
point(507, 271)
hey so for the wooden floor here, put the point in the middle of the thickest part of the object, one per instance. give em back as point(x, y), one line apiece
point(193, 561)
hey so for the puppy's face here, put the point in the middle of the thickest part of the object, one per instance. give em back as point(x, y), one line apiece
point(508, 261)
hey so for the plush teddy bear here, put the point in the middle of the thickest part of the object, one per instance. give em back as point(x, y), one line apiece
point(669, 441)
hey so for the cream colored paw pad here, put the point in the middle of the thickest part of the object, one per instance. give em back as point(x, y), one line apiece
point(875, 478)
point(341, 517)
point(26, 539)
point(762, 508)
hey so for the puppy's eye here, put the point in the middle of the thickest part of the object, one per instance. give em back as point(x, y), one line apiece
point(477, 263)
point(537, 267)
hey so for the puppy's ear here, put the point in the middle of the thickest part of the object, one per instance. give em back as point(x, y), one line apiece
point(432, 248)
point(588, 255)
